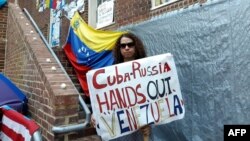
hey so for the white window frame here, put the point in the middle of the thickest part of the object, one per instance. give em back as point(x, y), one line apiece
point(164, 3)
point(92, 7)
point(92, 14)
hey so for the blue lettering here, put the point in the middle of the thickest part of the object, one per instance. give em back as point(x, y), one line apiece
point(178, 105)
point(125, 129)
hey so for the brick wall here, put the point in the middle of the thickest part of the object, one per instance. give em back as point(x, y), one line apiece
point(42, 19)
point(135, 11)
point(3, 27)
point(12, 1)
point(126, 12)
point(27, 67)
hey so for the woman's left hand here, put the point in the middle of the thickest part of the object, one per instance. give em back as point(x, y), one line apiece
point(92, 121)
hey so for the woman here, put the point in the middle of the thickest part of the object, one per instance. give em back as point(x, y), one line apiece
point(127, 48)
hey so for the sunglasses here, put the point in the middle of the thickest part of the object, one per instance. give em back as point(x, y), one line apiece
point(130, 45)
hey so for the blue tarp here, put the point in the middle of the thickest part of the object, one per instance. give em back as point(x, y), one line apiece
point(2, 3)
point(11, 95)
point(211, 48)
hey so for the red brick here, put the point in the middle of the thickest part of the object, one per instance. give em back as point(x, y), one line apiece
point(3, 23)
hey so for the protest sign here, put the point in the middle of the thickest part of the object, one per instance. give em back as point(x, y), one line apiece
point(127, 96)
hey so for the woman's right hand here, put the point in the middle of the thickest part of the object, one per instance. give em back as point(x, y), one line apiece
point(92, 121)
point(146, 130)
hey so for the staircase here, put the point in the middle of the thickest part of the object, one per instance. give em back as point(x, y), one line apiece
point(88, 134)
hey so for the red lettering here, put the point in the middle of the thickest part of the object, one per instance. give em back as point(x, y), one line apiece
point(166, 67)
point(130, 94)
point(113, 100)
point(154, 70)
point(109, 81)
point(95, 84)
point(135, 67)
point(105, 102)
point(118, 76)
point(126, 76)
point(160, 68)
point(143, 97)
point(121, 100)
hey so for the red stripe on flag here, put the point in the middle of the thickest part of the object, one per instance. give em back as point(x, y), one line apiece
point(54, 4)
point(21, 119)
point(11, 134)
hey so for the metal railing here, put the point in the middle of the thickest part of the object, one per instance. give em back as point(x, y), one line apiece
point(37, 136)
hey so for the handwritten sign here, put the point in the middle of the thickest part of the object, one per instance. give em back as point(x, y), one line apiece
point(127, 96)
point(55, 24)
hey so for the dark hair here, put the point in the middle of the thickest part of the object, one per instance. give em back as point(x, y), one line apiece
point(139, 48)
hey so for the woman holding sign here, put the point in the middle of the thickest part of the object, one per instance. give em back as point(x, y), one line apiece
point(127, 48)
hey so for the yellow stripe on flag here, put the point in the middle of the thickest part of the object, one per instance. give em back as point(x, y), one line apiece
point(97, 40)
point(47, 2)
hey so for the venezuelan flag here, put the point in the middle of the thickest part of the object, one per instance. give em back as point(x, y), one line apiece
point(51, 4)
point(87, 48)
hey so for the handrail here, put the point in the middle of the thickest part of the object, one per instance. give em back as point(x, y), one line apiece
point(37, 136)
point(67, 128)
point(44, 40)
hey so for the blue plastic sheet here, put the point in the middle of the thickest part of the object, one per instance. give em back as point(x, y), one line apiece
point(11, 95)
point(210, 45)
point(2, 3)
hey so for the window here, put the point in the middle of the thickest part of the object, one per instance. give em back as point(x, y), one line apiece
point(160, 3)
point(101, 13)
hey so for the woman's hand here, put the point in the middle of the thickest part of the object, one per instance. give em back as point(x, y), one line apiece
point(146, 132)
point(92, 121)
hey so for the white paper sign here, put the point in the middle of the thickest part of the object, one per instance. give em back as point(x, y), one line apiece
point(72, 7)
point(105, 13)
point(127, 96)
point(55, 24)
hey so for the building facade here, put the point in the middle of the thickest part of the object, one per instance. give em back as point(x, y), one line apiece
point(125, 13)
